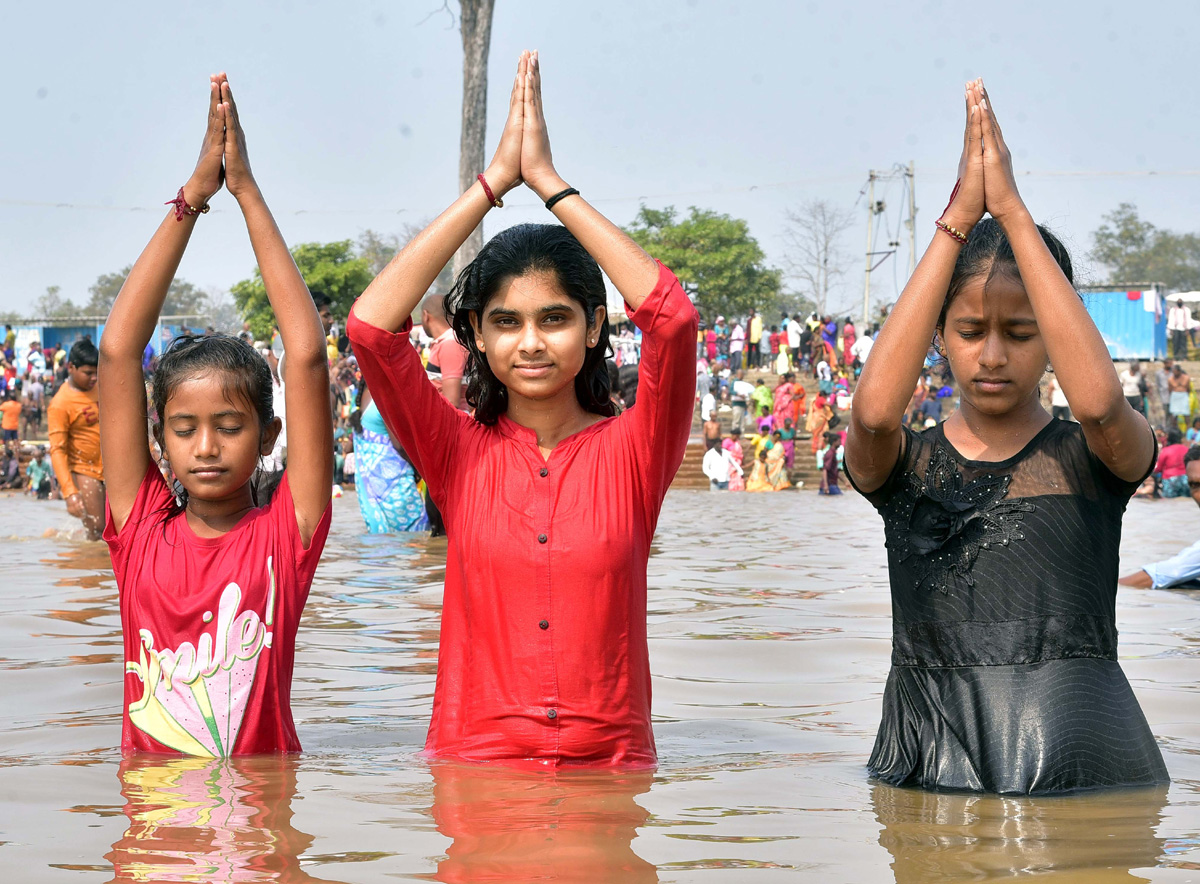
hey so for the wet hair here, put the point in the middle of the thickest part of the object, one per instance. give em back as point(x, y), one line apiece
point(518, 251)
point(83, 354)
point(988, 253)
point(1174, 437)
point(243, 374)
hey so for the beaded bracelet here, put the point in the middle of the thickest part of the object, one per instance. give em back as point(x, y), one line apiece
point(946, 228)
point(182, 208)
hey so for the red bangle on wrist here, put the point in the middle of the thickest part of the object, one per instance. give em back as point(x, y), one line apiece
point(182, 208)
point(492, 198)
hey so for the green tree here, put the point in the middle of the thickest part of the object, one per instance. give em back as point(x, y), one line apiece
point(713, 255)
point(1134, 250)
point(331, 269)
point(183, 298)
point(380, 248)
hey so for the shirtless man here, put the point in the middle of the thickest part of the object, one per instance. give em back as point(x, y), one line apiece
point(1179, 385)
point(74, 420)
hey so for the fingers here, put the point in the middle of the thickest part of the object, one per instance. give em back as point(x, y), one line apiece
point(231, 113)
point(214, 98)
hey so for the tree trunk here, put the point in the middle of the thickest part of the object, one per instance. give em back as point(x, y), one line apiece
point(476, 26)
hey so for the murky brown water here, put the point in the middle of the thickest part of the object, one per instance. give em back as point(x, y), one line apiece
point(769, 625)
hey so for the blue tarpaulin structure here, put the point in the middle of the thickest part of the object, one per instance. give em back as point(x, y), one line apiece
point(1133, 320)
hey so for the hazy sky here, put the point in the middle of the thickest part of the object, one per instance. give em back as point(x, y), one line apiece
point(352, 116)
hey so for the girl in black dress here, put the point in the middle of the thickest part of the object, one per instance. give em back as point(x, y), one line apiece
point(1002, 523)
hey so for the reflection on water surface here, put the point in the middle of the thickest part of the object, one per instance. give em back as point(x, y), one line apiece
point(769, 632)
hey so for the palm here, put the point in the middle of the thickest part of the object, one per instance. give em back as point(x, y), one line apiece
point(537, 163)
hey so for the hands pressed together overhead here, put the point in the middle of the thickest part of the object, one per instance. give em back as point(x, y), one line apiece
point(223, 157)
point(986, 182)
point(523, 154)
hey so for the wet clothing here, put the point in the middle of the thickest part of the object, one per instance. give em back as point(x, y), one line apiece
point(1004, 670)
point(209, 625)
point(74, 420)
point(543, 650)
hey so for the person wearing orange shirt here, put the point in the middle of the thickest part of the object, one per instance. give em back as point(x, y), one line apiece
point(74, 419)
point(10, 423)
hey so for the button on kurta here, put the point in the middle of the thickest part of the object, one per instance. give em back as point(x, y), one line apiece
point(542, 538)
point(543, 624)
point(552, 713)
point(543, 472)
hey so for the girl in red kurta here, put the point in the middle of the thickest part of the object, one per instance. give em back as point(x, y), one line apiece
point(550, 497)
point(212, 578)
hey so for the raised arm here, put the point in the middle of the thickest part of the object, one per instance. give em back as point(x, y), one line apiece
point(133, 318)
point(306, 369)
point(898, 355)
point(393, 295)
point(1116, 434)
point(631, 270)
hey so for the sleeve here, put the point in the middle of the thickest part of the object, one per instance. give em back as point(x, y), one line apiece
point(910, 444)
point(660, 421)
point(1114, 483)
point(428, 427)
point(283, 514)
point(151, 504)
point(58, 422)
point(1180, 568)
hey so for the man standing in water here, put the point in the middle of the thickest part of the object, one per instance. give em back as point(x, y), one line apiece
point(74, 420)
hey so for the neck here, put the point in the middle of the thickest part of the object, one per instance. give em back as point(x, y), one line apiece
point(212, 518)
point(998, 433)
point(551, 419)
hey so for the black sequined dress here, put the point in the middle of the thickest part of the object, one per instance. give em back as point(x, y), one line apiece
point(1004, 670)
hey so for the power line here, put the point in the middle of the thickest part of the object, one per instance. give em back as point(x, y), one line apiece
point(713, 191)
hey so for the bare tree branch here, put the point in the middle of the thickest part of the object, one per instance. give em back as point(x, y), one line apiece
point(813, 254)
point(445, 7)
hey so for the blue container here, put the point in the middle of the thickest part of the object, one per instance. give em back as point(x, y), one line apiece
point(1132, 321)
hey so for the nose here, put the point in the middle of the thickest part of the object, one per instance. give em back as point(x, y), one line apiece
point(531, 338)
point(994, 353)
point(207, 444)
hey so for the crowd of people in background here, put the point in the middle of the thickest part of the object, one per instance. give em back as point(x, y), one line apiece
point(768, 421)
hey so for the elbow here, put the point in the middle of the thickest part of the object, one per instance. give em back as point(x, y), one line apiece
point(873, 421)
point(1097, 415)
point(307, 359)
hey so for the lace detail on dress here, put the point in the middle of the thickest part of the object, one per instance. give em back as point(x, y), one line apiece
point(938, 525)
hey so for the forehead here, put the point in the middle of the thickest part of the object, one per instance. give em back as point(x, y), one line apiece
point(204, 393)
point(530, 293)
point(1193, 470)
point(995, 298)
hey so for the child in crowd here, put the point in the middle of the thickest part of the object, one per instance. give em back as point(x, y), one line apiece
point(38, 473)
point(1003, 524)
point(213, 575)
point(831, 458)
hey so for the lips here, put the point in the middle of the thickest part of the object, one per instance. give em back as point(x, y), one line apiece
point(991, 385)
point(207, 472)
point(533, 370)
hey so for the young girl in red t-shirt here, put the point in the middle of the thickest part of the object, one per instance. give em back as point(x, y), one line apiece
point(212, 576)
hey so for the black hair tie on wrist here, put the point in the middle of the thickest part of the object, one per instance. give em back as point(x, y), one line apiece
point(562, 194)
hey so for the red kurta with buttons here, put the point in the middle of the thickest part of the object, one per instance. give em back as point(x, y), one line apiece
point(543, 650)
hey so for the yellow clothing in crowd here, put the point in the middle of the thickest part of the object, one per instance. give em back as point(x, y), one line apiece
point(74, 419)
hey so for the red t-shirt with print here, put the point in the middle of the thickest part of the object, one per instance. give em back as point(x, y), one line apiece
point(210, 625)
